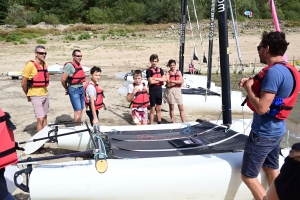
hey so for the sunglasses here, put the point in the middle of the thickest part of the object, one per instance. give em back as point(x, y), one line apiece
point(78, 56)
point(259, 47)
point(41, 53)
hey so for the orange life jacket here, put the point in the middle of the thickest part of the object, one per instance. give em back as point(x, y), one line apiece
point(8, 154)
point(99, 101)
point(156, 74)
point(141, 98)
point(173, 77)
point(78, 76)
point(41, 79)
point(280, 107)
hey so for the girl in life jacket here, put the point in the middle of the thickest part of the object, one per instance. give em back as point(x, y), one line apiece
point(280, 107)
point(93, 96)
point(138, 95)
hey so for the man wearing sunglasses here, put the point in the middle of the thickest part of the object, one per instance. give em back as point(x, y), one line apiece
point(272, 93)
point(34, 84)
point(72, 80)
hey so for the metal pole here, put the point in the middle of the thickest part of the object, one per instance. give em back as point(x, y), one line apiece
point(182, 35)
point(224, 62)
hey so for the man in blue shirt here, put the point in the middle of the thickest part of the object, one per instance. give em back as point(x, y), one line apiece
point(263, 144)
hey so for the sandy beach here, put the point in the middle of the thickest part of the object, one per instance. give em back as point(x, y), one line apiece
point(118, 55)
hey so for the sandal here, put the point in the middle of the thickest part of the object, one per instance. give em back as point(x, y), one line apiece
point(42, 150)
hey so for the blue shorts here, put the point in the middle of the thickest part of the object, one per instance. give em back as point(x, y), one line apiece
point(76, 97)
point(260, 151)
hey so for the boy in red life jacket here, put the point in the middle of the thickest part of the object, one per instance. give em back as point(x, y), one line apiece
point(172, 93)
point(93, 96)
point(34, 84)
point(138, 94)
point(72, 80)
point(268, 92)
point(156, 79)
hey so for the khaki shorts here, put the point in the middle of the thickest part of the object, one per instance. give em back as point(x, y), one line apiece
point(40, 105)
point(173, 95)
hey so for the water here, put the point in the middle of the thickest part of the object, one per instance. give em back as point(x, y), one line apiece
point(293, 122)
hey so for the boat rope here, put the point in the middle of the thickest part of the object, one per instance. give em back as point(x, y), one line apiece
point(55, 157)
point(95, 136)
point(201, 41)
point(192, 32)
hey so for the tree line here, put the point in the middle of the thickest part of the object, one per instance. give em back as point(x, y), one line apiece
point(23, 12)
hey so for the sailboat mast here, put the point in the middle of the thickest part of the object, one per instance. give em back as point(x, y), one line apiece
point(182, 35)
point(224, 62)
point(211, 41)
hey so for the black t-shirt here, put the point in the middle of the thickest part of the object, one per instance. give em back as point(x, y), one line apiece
point(154, 88)
point(287, 182)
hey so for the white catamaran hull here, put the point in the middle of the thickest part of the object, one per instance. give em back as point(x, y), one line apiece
point(215, 176)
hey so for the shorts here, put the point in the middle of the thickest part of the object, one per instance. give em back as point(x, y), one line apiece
point(173, 95)
point(155, 99)
point(140, 117)
point(40, 105)
point(76, 97)
point(260, 151)
point(192, 69)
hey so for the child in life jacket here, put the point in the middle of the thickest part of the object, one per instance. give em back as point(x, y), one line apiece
point(93, 96)
point(138, 94)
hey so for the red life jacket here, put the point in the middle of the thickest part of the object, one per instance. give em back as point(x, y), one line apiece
point(99, 101)
point(156, 74)
point(173, 77)
point(280, 107)
point(141, 98)
point(8, 154)
point(78, 76)
point(41, 79)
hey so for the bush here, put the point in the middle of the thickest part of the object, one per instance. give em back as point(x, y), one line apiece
point(51, 19)
point(17, 16)
point(69, 37)
point(41, 41)
point(20, 23)
point(104, 37)
point(97, 16)
point(84, 36)
point(15, 43)
point(23, 42)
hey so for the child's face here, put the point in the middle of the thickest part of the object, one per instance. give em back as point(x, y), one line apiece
point(137, 79)
point(172, 66)
point(154, 63)
point(96, 76)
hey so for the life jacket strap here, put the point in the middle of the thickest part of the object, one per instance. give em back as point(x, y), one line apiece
point(281, 107)
point(7, 152)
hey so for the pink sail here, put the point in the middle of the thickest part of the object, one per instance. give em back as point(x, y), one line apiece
point(275, 20)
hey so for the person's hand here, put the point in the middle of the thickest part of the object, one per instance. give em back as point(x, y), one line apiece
point(95, 121)
point(248, 83)
point(135, 89)
point(28, 99)
point(66, 92)
point(242, 82)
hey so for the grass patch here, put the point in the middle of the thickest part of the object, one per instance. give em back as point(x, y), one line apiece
point(23, 42)
point(103, 37)
point(41, 41)
point(15, 43)
point(70, 37)
point(84, 36)
point(83, 27)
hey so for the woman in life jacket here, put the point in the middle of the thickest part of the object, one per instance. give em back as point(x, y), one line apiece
point(172, 93)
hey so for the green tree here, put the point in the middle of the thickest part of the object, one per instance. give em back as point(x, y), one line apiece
point(3, 10)
point(17, 16)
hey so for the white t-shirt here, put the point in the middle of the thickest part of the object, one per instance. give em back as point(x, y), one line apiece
point(130, 90)
point(91, 90)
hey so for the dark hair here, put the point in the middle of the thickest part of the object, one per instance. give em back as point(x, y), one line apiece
point(95, 69)
point(137, 72)
point(276, 42)
point(38, 47)
point(170, 62)
point(74, 52)
point(153, 57)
